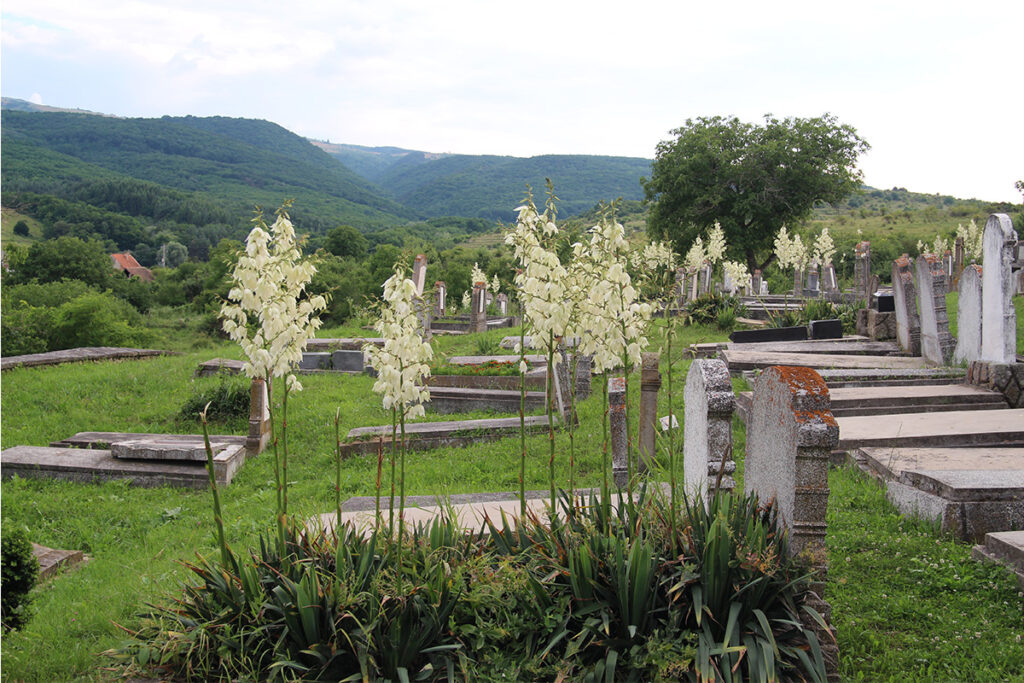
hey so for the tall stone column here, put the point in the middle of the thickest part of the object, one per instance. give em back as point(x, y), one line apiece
point(936, 342)
point(441, 302)
point(999, 319)
point(617, 429)
point(478, 308)
point(908, 324)
point(650, 384)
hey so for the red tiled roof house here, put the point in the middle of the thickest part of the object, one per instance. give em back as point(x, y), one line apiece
point(127, 264)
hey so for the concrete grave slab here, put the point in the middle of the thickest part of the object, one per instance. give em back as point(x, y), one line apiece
point(952, 429)
point(164, 450)
point(217, 366)
point(53, 561)
point(85, 353)
point(843, 347)
point(739, 360)
point(453, 433)
point(446, 400)
point(345, 343)
point(1003, 547)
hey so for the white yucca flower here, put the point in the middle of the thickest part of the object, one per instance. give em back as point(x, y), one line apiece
point(737, 274)
point(495, 285)
point(940, 246)
point(716, 244)
point(476, 275)
point(402, 363)
point(972, 236)
point(696, 256)
point(790, 252)
point(824, 248)
point(266, 312)
point(467, 299)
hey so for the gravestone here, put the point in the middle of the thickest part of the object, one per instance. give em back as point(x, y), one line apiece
point(584, 364)
point(705, 279)
point(826, 329)
point(908, 324)
point(315, 360)
point(503, 304)
point(442, 299)
point(862, 271)
point(998, 319)
point(947, 268)
point(650, 384)
point(419, 273)
point(680, 287)
point(478, 308)
point(769, 334)
point(798, 279)
point(829, 284)
point(968, 318)
point(936, 342)
point(755, 283)
point(709, 403)
point(812, 287)
point(259, 417)
point(347, 361)
point(958, 261)
point(694, 285)
point(617, 429)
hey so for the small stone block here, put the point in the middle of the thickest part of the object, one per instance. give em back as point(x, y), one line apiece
point(162, 450)
point(769, 334)
point(347, 361)
point(885, 303)
point(315, 360)
point(826, 329)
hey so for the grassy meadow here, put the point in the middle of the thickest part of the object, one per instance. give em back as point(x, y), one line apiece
point(908, 603)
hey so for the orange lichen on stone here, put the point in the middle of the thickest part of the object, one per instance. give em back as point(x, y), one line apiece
point(804, 379)
point(823, 416)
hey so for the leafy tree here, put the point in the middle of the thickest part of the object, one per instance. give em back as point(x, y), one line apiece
point(751, 178)
point(70, 258)
point(174, 254)
point(21, 229)
point(345, 240)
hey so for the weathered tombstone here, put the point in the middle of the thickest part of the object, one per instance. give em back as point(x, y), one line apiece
point(315, 360)
point(728, 285)
point(694, 285)
point(798, 279)
point(790, 436)
point(650, 383)
point(999, 319)
point(862, 271)
point(419, 273)
point(680, 286)
point(705, 279)
point(968, 318)
point(829, 284)
point(755, 282)
point(584, 364)
point(958, 260)
point(812, 287)
point(947, 267)
point(709, 403)
point(617, 429)
point(936, 342)
point(908, 324)
point(478, 308)
point(503, 303)
point(442, 295)
point(259, 417)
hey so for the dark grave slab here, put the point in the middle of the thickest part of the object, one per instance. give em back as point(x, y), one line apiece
point(453, 433)
point(315, 360)
point(826, 329)
point(218, 366)
point(446, 400)
point(94, 465)
point(85, 353)
point(52, 561)
point(347, 361)
point(769, 334)
point(885, 303)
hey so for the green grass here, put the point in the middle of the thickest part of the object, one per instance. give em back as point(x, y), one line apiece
point(137, 537)
point(8, 217)
point(952, 299)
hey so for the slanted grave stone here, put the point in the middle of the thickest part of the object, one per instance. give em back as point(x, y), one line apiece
point(708, 403)
point(999, 319)
point(968, 318)
point(936, 342)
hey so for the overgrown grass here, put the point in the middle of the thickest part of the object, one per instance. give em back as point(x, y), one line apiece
point(137, 537)
point(953, 299)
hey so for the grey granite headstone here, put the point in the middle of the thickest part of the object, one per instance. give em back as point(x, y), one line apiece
point(709, 403)
point(503, 303)
point(617, 429)
point(315, 360)
point(998, 318)
point(936, 342)
point(442, 299)
point(478, 308)
point(650, 384)
point(968, 318)
point(862, 271)
point(790, 435)
point(908, 324)
point(584, 365)
point(347, 361)
point(812, 280)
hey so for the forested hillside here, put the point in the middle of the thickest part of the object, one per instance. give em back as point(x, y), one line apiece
point(491, 186)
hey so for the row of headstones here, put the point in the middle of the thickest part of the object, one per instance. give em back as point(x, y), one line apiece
point(986, 320)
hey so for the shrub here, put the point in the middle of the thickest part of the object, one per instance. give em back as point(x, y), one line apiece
point(21, 229)
point(228, 399)
point(96, 320)
point(704, 310)
point(726, 319)
point(20, 571)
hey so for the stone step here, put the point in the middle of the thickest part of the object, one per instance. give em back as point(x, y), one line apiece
point(1006, 548)
point(447, 400)
point(104, 439)
point(452, 433)
point(842, 347)
point(739, 361)
point(891, 400)
point(837, 379)
point(949, 429)
point(52, 560)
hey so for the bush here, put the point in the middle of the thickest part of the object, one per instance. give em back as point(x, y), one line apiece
point(704, 310)
point(726, 320)
point(228, 399)
point(20, 571)
point(21, 229)
point(96, 320)
point(600, 595)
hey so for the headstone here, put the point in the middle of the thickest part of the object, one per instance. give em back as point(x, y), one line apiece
point(709, 403)
point(347, 361)
point(419, 273)
point(958, 260)
point(705, 279)
point(826, 329)
point(998, 319)
point(798, 279)
point(947, 267)
point(936, 342)
point(908, 324)
point(680, 287)
point(728, 285)
point(503, 304)
point(259, 417)
point(790, 435)
point(315, 360)
point(769, 334)
point(694, 285)
point(968, 317)
point(885, 302)
point(829, 283)
point(478, 308)
point(755, 282)
point(862, 270)
point(442, 299)
point(617, 429)
point(650, 384)
point(584, 364)
point(812, 287)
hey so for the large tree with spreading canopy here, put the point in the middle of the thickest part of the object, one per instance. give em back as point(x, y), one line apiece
point(751, 178)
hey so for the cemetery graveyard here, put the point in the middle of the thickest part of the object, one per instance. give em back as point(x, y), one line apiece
point(936, 421)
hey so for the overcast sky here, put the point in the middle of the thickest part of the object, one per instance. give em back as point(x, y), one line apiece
point(935, 88)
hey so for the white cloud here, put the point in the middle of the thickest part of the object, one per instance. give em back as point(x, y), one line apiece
point(35, 98)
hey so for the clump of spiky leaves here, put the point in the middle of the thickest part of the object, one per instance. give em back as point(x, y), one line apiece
point(599, 594)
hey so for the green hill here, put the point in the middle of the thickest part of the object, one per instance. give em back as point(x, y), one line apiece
point(491, 186)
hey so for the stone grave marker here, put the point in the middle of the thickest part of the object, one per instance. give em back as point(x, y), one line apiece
point(347, 361)
point(862, 270)
point(442, 299)
point(968, 319)
point(584, 365)
point(617, 429)
point(958, 260)
point(419, 273)
point(829, 284)
point(478, 308)
point(812, 287)
point(259, 417)
point(650, 384)
point(998, 319)
point(908, 324)
point(936, 342)
point(503, 303)
point(755, 283)
point(680, 286)
point(315, 360)
point(709, 403)
point(705, 278)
